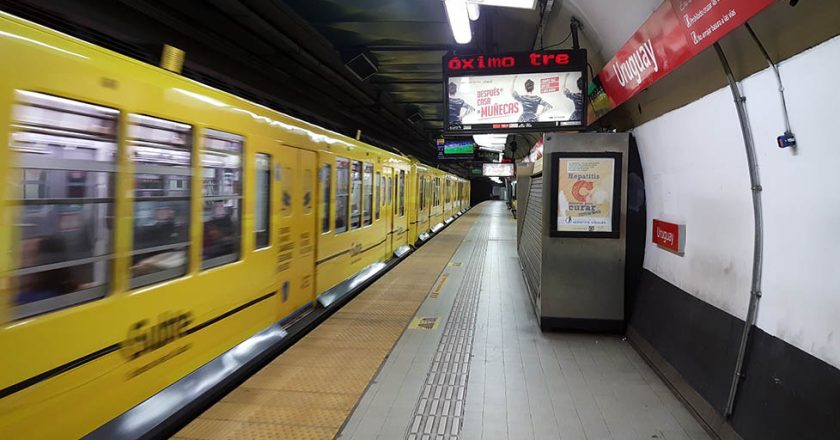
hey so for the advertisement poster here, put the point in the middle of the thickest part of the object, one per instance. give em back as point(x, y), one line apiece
point(528, 100)
point(585, 194)
point(497, 169)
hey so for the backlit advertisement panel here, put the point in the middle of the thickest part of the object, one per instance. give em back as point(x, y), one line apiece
point(537, 100)
point(497, 169)
point(535, 91)
point(586, 187)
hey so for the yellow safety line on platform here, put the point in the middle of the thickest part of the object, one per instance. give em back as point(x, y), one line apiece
point(439, 287)
point(309, 391)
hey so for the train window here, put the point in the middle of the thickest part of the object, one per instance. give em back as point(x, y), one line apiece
point(428, 185)
point(390, 190)
point(262, 204)
point(65, 165)
point(307, 191)
point(384, 185)
point(342, 193)
point(161, 151)
point(446, 190)
point(367, 189)
point(421, 192)
point(326, 182)
point(378, 194)
point(426, 192)
point(395, 208)
point(402, 193)
point(356, 195)
point(221, 159)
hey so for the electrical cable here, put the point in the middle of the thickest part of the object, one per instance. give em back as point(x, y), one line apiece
point(557, 44)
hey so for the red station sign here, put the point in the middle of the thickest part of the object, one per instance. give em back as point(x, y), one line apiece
point(669, 236)
point(676, 31)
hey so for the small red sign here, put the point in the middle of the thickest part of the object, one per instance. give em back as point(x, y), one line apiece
point(669, 236)
point(550, 85)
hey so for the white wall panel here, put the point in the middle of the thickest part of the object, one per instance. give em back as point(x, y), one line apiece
point(801, 302)
point(696, 173)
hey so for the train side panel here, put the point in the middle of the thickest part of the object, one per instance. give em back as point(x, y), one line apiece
point(270, 212)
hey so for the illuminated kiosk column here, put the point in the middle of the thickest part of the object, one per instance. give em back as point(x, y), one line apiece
point(573, 235)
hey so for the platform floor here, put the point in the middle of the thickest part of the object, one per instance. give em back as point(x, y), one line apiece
point(477, 368)
point(488, 372)
point(309, 391)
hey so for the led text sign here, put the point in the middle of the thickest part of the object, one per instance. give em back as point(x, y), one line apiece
point(534, 59)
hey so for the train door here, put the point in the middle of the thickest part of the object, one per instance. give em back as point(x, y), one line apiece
point(387, 204)
point(400, 227)
point(295, 231)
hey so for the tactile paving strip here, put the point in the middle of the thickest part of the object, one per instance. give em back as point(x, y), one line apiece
point(309, 391)
point(440, 406)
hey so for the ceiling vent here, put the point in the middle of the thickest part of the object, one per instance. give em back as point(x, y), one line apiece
point(415, 116)
point(362, 65)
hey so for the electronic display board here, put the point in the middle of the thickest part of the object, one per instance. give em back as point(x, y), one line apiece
point(530, 91)
point(462, 149)
point(458, 147)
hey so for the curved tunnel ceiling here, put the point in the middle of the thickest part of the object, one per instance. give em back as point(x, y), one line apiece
point(290, 55)
point(607, 23)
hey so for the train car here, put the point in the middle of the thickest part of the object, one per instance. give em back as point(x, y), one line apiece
point(419, 221)
point(151, 223)
point(436, 212)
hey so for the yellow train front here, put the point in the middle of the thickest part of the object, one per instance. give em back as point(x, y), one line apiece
point(151, 223)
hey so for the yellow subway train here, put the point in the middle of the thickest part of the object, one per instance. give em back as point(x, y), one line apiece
point(151, 223)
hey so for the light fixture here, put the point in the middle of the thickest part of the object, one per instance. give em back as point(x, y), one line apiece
point(491, 142)
point(473, 11)
point(459, 20)
point(522, 4)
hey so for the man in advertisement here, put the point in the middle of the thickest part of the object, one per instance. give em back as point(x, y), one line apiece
point(530, 102)
point(456, 106)
point(577, 98)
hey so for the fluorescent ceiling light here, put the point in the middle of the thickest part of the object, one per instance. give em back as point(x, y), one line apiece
point(459, 20)
point(473, 11)
point(523, 4)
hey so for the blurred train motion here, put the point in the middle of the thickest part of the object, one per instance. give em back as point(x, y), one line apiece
point(151, 223)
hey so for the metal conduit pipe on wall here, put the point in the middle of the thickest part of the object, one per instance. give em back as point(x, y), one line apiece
point(788, 130)
point(758, 248)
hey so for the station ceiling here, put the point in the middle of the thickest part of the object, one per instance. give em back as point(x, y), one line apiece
point(291, 55)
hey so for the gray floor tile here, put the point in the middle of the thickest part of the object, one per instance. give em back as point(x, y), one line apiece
point(522, 383)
